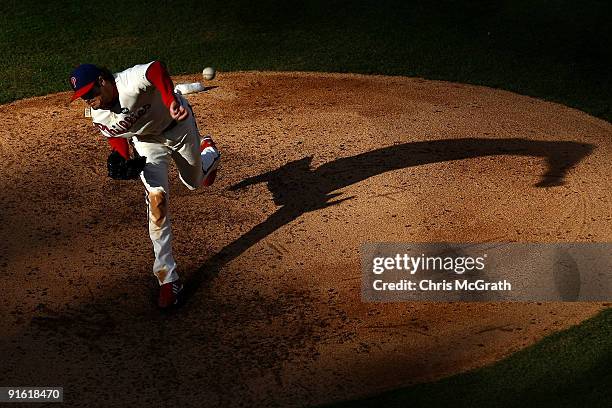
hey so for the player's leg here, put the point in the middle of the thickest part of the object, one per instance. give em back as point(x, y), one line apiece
point(155, 179)
point(211, 157)
point(196, 158)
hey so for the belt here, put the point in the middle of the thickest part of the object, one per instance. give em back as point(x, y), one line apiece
point(170, 126)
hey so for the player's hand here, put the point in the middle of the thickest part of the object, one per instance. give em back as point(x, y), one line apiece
point(177, 111)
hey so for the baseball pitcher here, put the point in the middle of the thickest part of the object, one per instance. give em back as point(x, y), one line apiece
point(138, 105)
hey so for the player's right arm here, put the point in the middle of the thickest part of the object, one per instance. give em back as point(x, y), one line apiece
point(158, 75)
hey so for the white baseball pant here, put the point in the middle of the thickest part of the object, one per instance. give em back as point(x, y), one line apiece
point(182, 144)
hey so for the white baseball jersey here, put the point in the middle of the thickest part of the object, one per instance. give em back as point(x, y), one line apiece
point(141, 111)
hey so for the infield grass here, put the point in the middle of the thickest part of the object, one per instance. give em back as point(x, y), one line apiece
point(567, 369)
point(557, 50)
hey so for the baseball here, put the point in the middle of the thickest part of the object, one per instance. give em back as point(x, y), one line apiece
point(209, 73)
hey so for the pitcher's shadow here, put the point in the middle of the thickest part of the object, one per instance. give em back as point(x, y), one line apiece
point(298, 189)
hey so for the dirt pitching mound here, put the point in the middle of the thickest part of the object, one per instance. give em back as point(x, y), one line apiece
point(313, 166)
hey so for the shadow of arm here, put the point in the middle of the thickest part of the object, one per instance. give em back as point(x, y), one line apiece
point(261, 178)
point(560, 159)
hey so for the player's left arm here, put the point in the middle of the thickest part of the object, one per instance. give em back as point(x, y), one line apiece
point(158, 75)
point(120, 145)
point(119, 163)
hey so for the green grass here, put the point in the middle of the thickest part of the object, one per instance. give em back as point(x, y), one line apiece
point(557, 50)
point(567, 369)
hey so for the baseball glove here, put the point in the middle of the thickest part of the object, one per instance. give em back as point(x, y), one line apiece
point(121, 169)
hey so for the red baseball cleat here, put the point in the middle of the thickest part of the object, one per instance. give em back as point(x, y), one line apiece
point(210, 160)
point(169, 294)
